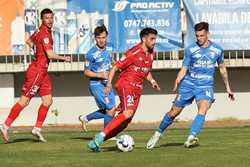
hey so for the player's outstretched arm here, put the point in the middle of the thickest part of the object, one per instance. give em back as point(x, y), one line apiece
point(224, 75)
point(179, 77)
point(153, 82)
point(110, 78)
point(51, 55)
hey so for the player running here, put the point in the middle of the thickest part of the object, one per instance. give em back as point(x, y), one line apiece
point(196, 81)
point(135, 66)
point(36, 78)
point(97, 67)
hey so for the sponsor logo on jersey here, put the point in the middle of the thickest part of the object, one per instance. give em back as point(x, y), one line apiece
point(197, 55)
point(194, 49)
point(142, 69)
point(96, 54)
point(46, 40)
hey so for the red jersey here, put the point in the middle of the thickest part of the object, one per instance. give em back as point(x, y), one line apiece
point(135, 65)
point(42, 40)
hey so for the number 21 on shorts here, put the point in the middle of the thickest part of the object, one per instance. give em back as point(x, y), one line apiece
point(130, 100)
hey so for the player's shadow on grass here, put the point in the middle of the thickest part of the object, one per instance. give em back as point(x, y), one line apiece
point(115, 149)
point(110, 148)
point(82, 138)
point(171, 145)
point(23, 140)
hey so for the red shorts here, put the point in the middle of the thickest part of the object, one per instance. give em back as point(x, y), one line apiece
point(129, 96)
point(36, 81)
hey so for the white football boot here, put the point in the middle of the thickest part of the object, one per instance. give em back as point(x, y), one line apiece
point(191, 141)
point(153, 140)
point(37, 133)
point(84, 122)
point(4, 132)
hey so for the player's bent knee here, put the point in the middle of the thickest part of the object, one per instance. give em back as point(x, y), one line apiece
point(48, 102)
point(111, 112)
point(24, 101)
point(129, 113)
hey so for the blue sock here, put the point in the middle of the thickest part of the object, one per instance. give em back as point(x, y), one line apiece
point(166, 121)
point(107, 119)
point(197, 125)
point(95, 115)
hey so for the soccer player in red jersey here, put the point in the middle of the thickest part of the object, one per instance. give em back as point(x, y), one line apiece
point(135, 66)
point(36, 78)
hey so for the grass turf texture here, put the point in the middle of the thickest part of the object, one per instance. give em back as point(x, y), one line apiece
point(219, 147)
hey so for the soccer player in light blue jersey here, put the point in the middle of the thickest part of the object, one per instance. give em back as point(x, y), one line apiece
point(195, 80)
point(97, 66)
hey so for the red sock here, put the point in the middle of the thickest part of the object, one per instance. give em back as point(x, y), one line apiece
point(14, 112)
point(42, 112)
point(115, 126)
point(118, 129)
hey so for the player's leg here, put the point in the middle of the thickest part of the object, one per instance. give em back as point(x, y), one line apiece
point(110, 107)
point(46, 95)
point(117, 124)
point(84, 119)
point(197, 124)
point(42, 113)
point(184, 98)
point(165, 123)
point(14, 113)
point(204, 99)
point(129, 103)
point(29, 89)
point(96, 91)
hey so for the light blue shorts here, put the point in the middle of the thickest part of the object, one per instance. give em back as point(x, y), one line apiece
point(186, 95)
point(103, 101)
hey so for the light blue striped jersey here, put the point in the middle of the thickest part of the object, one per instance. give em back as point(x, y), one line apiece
point(201, 63)
point(98, 60)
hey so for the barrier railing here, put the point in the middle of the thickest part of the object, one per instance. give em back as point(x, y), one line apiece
point(163, 60)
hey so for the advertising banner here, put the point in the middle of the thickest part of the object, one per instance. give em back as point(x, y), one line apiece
point(229, 21)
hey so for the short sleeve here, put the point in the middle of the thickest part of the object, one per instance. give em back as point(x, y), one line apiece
point(88, 61)
point(220, 59)
point(46, 42)
point(125, 61)
point(187, 58)
point(33, 37)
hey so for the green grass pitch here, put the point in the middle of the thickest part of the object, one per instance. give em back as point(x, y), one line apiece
point(219, 147)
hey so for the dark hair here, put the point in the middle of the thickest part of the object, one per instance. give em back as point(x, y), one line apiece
point(145, 31)
point(100, 29)
point(201, 26)
point(45, 11)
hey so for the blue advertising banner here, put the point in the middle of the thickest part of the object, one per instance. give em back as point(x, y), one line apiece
point(124, 20)
point(82, 18)
point(229, 21)
point(130, 16)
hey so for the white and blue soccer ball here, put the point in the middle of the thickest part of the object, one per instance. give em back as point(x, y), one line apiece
point(125, 143)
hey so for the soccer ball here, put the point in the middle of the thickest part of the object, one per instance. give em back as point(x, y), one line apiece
point(125, 143)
